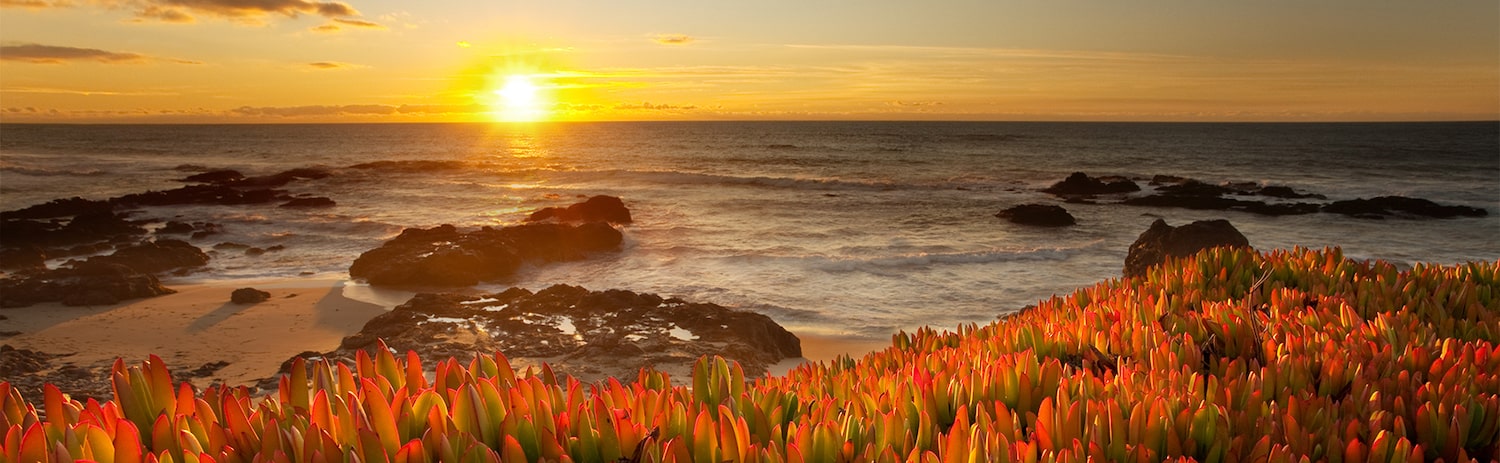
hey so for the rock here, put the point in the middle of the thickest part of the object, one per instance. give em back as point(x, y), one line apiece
point(1161, 242)
point(220, 194)
point(1167, 179)
point(1197, 188)
point(248, 296)
point(84, 228)
point(285, 177)
point(1038, 215)
point(589, 334)
point(29, 371)
point(157, 256)
point(23, 258)
point(175, 228)
point(86, 283)
point(1286, 192)
point(310, 202)
point(1080, 184)
point(1383, 206)
point(443, 256)
point(216, 176)
point(69, 207)
point(596, 209)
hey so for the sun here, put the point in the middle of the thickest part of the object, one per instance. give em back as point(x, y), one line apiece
point(519, 99)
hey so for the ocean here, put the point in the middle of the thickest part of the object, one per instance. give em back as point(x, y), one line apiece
point(855, 229)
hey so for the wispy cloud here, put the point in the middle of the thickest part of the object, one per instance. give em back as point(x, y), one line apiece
point(33, 4)
point(53, 54)
point(188, 11)
point(331, 66)
point(647, 106)
point(672, 39)
point(85, 92)
point(339, 24)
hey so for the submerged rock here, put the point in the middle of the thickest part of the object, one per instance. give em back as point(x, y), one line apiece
point(310, 202)
point(589, 334)
point(444, 256)
point(1384, 206)
point(1080, 184)
point(1039, 215)
point(596, 209)
point(1161, 242)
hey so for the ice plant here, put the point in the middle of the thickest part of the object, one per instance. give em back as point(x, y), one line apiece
point(1230, 355)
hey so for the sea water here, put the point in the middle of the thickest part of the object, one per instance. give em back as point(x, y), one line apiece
point(836, 228)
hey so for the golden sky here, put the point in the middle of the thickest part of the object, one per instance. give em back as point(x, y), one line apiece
point(442, 60)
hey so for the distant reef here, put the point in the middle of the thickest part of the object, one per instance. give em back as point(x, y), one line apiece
point(1274, 200)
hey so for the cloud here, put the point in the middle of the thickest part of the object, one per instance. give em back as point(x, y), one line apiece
point(356, 110)
point(672, 39)
point(34, 4)
point(187, 11)
point(315, 110)
point(647, 106)
point(339, 23)
point(52, 54)
point(331, 65)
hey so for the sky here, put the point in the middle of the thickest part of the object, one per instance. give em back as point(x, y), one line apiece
point(290, 61)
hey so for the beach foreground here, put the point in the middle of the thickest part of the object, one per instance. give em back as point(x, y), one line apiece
point(198, 327)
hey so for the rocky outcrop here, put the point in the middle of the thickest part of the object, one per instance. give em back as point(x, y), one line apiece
point(1038, 215)
point(156, 256)
point(1178, 192)
point(86, 283)
point(588, 334)
point(1161, 242)
point(444, 256)
point(310, 202)
point(596, 209)
point(1080, 184)
point(1386, 206)
point(248, 296)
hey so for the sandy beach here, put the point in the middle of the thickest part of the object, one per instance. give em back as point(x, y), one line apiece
point(199, 326)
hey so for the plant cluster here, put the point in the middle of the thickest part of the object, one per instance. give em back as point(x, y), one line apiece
point(1230, 355)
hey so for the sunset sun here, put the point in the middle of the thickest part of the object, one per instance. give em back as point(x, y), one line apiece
point(519, 99)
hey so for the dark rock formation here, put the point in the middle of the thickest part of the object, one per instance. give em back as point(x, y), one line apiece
point(589, 334)
point(596, 209)
point(1161, 242)
point(28, 371)
point(157, 256)
point(310, 202)
point(175, 228)
point(59, 208)
point(1286, 192)
point(86, 283)
point(248, 296)
point(444, 256)
point(1383, 206)
point(23, 258)
point(1080, 184)
point(88, 227)
point(1039, 215)
point(215, 176)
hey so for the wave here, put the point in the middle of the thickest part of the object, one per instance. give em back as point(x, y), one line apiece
point(678, 178)
point(42, 172)
point(414, 166)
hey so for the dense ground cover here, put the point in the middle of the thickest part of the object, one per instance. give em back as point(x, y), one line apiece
point(1227, 356)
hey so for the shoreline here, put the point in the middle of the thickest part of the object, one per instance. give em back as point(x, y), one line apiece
point(198, 326)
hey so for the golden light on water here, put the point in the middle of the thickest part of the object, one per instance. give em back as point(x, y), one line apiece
point(519, 98)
